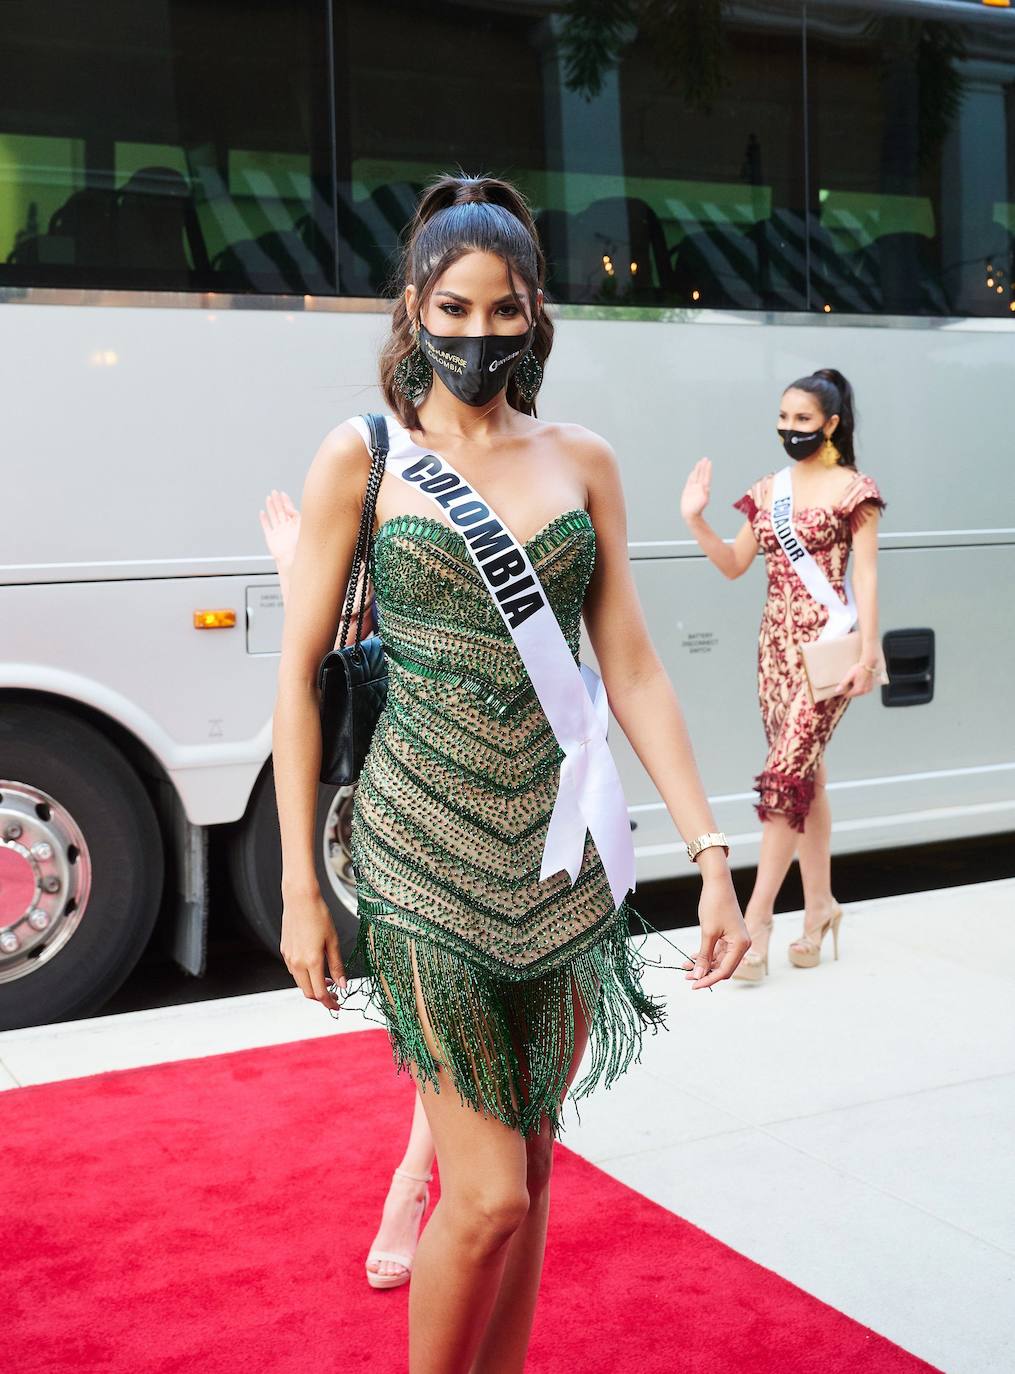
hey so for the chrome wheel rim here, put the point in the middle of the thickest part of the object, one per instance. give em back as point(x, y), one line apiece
point(45, 878)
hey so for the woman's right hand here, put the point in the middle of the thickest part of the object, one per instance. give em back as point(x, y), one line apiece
point(694, 497)
point(309, 942)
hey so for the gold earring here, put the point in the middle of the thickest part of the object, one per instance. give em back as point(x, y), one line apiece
point(829, 454)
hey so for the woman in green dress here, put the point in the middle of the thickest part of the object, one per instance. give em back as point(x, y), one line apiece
point(493, 982)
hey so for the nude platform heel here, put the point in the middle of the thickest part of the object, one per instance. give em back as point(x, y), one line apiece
point(399, 1256)
point(753, 967)
point(805, 952)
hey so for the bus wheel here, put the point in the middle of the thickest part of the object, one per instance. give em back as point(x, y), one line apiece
point(255, 862)
point(81, 867)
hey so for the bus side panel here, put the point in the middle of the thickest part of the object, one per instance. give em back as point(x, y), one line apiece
point(666, 394)
point(149, 433)
point(897, 775)
point(196, 698)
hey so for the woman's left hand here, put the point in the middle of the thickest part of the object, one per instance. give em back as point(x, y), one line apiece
point(857, 682)
point(724, 937)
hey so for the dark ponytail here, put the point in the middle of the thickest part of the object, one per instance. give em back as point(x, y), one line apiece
point(835, 397)
point(457, 215)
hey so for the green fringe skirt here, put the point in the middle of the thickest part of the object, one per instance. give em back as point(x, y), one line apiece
point(507, 1043)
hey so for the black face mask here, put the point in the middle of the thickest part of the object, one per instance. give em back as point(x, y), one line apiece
point(801, 443)
point(474, 367)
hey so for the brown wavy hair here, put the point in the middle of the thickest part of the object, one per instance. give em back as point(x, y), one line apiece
point(455, 215)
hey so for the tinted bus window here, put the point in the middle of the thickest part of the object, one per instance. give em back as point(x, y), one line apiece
point(424, 88)
point(171, 144)
point(674, 161)
point(911, 132)
point(713, 153)
point(665, 163)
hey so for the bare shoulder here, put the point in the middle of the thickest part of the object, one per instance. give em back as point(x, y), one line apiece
point(343, 449)
point(588, 451)
point(583, 442)
point(854, 481)
point(338, 472)
point(763, 488)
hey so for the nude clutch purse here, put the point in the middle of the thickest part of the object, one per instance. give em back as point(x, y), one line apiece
point(827, 661)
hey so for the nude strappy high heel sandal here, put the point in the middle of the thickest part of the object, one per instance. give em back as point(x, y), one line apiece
point(805, 952)
point(399, 1256)
point(753, 966)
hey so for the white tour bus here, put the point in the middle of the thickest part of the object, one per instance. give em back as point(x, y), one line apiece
point(200, 201)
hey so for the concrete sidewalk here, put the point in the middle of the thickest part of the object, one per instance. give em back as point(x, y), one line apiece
point(849, 1126)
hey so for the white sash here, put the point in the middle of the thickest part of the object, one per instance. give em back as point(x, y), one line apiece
point(590, 795)
point(841, 618)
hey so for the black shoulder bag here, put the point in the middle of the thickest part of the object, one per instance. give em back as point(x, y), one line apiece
point(353, 679)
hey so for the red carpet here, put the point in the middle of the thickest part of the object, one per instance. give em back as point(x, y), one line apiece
point(212, 1215)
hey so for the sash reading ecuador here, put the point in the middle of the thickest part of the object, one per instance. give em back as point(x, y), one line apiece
point(590, 795)
point(841, 616)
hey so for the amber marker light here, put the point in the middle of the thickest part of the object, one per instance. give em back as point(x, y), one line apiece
point(214, 620)
point(998, 4)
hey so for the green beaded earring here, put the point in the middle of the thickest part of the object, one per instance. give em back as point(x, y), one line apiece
point(528, 376)
point(414, 375)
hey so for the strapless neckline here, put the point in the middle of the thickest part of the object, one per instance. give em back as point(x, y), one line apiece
point(413, 523)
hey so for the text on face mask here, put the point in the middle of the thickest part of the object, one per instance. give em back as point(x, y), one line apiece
point(451, 360)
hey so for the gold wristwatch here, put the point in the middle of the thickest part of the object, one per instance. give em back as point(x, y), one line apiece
point(706, 841)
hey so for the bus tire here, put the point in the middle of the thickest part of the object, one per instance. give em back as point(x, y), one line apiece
point(83, 860)
point(254, 855)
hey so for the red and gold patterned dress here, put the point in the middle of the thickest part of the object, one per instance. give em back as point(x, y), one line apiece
point(797, 730)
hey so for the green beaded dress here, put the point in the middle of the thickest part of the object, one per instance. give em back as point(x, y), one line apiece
point(467, 953)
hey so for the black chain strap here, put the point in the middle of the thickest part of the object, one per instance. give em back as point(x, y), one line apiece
point(364, 551)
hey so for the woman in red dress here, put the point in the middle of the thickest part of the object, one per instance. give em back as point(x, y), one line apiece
point(835, 510)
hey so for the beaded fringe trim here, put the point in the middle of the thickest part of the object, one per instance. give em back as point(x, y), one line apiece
point(478, 1019)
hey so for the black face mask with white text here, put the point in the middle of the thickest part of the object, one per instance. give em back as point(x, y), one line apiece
point(801, 443)
point(474, 367)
